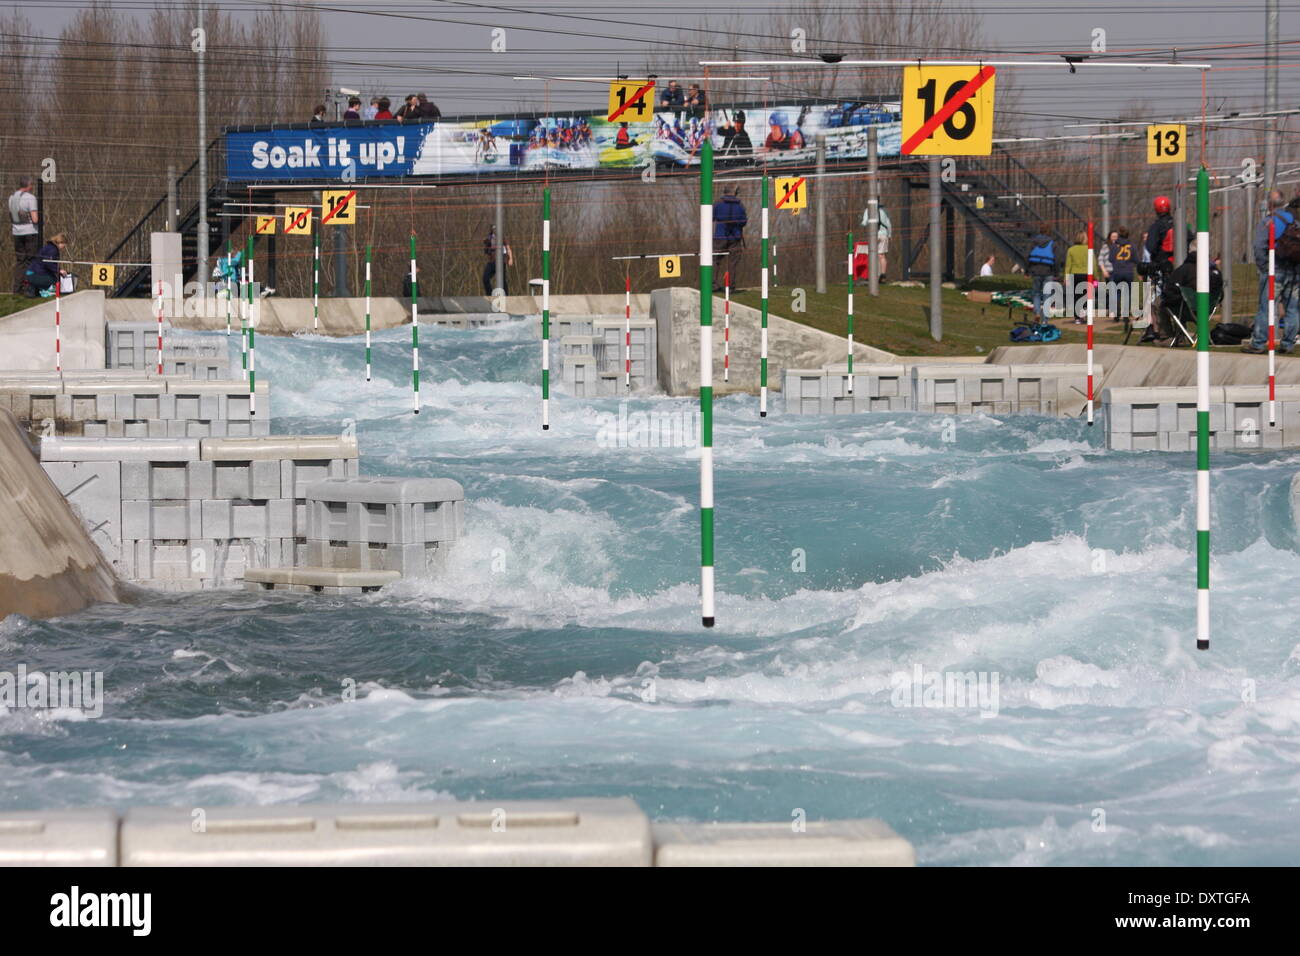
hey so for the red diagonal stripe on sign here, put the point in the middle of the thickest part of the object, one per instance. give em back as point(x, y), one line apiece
point(632, 101)
point(301, 219)
point(790, 192)
point(339, 207)
point(953, 105)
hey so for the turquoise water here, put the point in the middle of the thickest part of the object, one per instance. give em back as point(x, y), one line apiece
point(561, 654)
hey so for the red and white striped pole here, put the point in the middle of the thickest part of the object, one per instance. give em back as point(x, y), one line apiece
point(1092, 303)
point(160, 324)
point(58, 328)
point(726, 326)
point(627, 329)
point(1272, 321)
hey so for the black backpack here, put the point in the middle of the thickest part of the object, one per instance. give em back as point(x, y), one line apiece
point(1288, 243)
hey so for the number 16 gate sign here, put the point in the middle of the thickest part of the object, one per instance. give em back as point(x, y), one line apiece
point(948, 110)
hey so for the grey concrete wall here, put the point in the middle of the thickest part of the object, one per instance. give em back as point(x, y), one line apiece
point(1134, 366)
point(48, 564)
point(27, 337)
point(790, 345)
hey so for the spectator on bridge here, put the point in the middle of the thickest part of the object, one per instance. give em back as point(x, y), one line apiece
point(409, 110)
point(373, 109)
point(673, 98)
point(987, 268)
point(318, 116)
point(428, 111)
point(353, 112)
point(1286, 280)
point(1076, 268)
point(729, 221)
point(1042, 266)
point(45, 269)
point(384, 113)
point(697, 102)
point(23, 219)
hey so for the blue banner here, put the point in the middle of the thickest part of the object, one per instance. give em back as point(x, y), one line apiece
point(325, 152)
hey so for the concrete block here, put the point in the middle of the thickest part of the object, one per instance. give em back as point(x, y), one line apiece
point(94, 489)
point(161, 520)
point(823, 843)
point(278, 447)
point(259, 479)
point(319, 579)
point(444, 833)
point(119, 449)
point(58, 838)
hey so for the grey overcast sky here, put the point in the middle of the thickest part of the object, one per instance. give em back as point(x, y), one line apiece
point(445, 48)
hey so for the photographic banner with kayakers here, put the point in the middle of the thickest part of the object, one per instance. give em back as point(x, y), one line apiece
point(742, 136)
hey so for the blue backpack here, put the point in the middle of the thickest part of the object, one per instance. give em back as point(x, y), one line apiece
point(1043, 332)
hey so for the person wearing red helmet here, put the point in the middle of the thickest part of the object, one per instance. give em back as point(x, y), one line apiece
point(1160, 247)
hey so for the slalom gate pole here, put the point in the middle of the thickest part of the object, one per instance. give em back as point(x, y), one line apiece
point(58, 326)
point(230, 285)
point(762, 343)
point(1092, 302)
point(1272, 320)
point(315, 282)
point(252, 338)
point(415, 332)
point(850, 339)
point(726, 326)
point(627, 329)
point(160, 325)
point(546, 309)
point(706, 382)
point(774, 282)
point(1202, 410)
point(367, 311)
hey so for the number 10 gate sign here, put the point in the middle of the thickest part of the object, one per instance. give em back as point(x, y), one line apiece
point(948, 110)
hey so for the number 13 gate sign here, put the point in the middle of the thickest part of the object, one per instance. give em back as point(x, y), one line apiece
point(948, 110)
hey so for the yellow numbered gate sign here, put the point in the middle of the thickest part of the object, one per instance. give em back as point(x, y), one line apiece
point(631, 101)
point(265, 225)
point(101, 273)
point(791, 193)
point(297, 221)
point(670, 267)
point(1167, 143)
point(948, 110)
point(338, 207)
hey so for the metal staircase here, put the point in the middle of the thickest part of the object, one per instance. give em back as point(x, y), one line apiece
point(135, 280)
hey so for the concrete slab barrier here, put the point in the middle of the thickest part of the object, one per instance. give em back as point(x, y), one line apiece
point(1163, 418)
point(820, 843)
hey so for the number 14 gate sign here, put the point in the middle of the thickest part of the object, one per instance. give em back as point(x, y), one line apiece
point(948, 110)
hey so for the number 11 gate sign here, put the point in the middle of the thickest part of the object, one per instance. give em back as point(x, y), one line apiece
point(948, 110)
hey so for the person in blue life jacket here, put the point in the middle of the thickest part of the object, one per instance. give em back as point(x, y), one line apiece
point(1042, 265)
point(1286, 281)
point(44, 271)
point(729, 220)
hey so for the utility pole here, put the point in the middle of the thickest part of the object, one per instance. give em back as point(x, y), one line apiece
point(821, 212)
point(171, 198)
point(1270, 91)
point(1225, 250)
point(201, 245)
point(500, 263)
point(341, 261)
point(1105, 186)
point(1180, 215)
point(873, 213)
point(936, 267)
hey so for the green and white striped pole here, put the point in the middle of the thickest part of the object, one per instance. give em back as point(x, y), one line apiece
point(315, 281)
point(706, 381)
point(252, 338)
point(762, 340)
point(850, 340)
point(243, 317)
point(367, 311)
point(546, 309)
point(1202, 410)
point(415, 332)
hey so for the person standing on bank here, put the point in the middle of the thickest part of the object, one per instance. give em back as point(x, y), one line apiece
point(490, 281)
point(23, 220)
point(729, 221)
